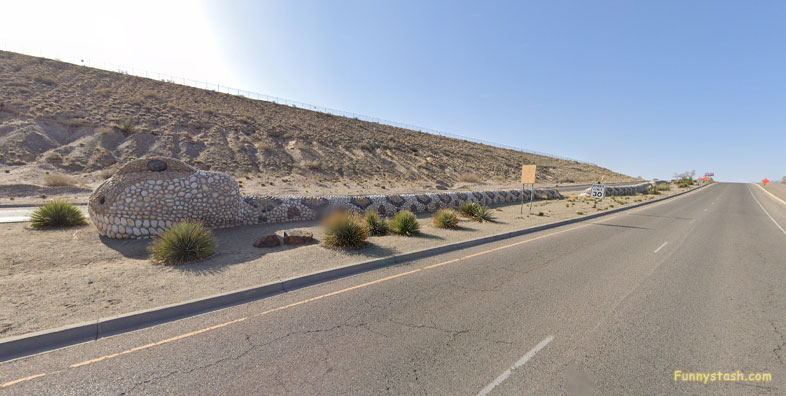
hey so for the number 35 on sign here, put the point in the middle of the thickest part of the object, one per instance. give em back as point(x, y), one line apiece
point(598, 191)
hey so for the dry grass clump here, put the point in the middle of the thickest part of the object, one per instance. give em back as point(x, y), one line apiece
point(57, 180)
point(468, 208)
point(446, 218)
point(183, 243)
point(344, 230)
point(469, 178)
point(476, 212)
point(55, 214)
point(405, 223)
point(376, 226)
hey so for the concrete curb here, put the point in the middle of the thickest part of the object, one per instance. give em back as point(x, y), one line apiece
point(28, 344)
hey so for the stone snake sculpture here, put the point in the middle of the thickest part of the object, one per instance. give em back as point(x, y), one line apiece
point(148, 195)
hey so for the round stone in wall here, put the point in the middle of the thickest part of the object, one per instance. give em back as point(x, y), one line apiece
point(156, 165)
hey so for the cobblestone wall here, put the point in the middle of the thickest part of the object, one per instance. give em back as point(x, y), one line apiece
point(627, 190)
point(150, 194)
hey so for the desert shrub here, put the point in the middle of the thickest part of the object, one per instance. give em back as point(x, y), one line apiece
point(476, 212)
point(468, 209)
point(57, 213)
point(344, 230)
point(312, 164)
point(685, 182)
point(59, 180)
point(376, 226)
point(543, 214)
point(405, 223)
point(46, 80)
point(652, 190)
point(483, 213)
point(183, 243)
point(663, 187)
point(468, 178)
point(446, 218)
point(127, 126)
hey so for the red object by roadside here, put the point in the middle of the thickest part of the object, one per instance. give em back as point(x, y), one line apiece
point(765, 181)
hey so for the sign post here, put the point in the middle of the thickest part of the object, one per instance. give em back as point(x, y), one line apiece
point(527, 177)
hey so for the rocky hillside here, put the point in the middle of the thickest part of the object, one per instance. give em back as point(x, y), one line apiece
point(72, 119)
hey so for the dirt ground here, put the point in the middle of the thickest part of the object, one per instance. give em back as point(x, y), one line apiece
point(55, 278)
point(118, 118)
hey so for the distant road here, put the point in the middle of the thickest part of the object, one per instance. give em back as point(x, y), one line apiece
point(611, 306)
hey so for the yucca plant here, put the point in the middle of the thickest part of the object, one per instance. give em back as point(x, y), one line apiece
point(57, 213)
point(476, 212)
point(468, 209)
point(482, 213)
point(376, 226)
point(446, 218)
point(183, 243)
point(344, 230)
point(405, 223)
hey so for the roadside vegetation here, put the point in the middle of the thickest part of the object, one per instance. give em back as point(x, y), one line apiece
point(684, 179)
point(56, 180)
point(56, 214)
point(446, 218)
point(183, 243)
point(376, 226)
point(476, 212)
point(344, 230)
point(405, 223)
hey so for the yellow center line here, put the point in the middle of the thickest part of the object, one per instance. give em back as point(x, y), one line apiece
point(21, 380)
point(306, 301)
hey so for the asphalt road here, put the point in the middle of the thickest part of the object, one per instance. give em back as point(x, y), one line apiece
point(611, 306)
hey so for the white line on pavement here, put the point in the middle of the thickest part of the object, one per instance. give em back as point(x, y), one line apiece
point(14, 219)
point(771, 194)
point(524, 359)
point(766, 212)
point(660, 247)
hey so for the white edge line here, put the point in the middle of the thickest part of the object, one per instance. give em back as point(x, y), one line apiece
point(766, 212)
point(770, 194)
point(524, 359)
point(661, 247)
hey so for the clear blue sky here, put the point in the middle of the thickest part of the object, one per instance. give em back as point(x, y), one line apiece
point(644, 88)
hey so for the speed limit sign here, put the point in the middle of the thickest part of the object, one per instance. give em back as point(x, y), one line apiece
point(598, 191)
